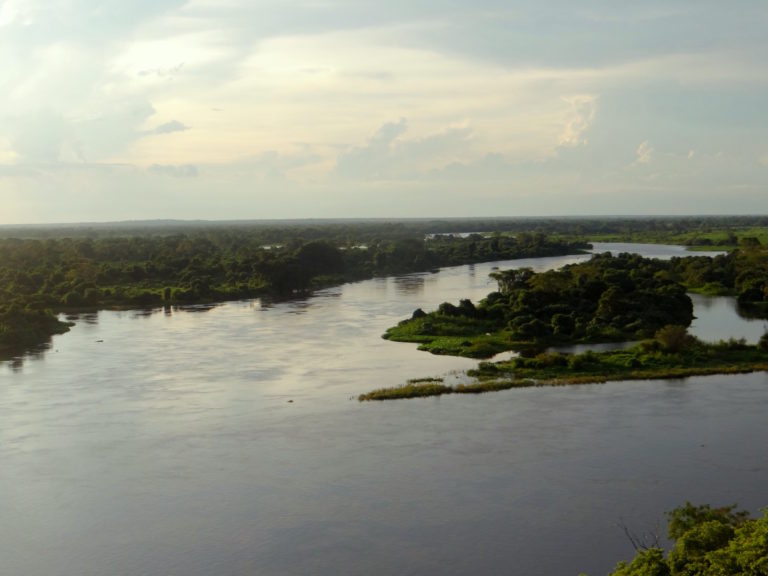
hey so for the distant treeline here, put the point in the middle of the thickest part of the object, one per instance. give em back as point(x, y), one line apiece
point(368, 230)
point(39, 277)
point(47, 269)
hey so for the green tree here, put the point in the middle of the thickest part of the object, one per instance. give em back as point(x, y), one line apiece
point(707, 542)
point(674, 338)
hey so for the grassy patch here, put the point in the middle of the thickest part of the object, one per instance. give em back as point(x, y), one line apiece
point(643, 362)
point(646, 361)
point(416, 389)
point(410, 390)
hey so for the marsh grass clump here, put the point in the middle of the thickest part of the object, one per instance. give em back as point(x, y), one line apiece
point(409, 390)
point(420, 388)
point(428, 380)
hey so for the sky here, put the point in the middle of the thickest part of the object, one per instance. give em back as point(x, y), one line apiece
point(251, 109)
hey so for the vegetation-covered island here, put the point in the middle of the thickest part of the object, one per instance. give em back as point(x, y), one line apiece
point(607, 299)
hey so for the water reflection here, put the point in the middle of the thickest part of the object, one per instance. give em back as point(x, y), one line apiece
point(409, 285)
point(180, 453)
point(197, 307)
point(85, 317)
point(718, 318)
point(16, 364)
point(16, 359)
point(144, 312)
point(661, 251)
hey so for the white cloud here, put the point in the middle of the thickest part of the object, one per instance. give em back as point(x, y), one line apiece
point(388, 155)
point(169, 128)
point(16, 12)
point(290, 95)
point(180, 171)
point(645, 153)
point(581, 115)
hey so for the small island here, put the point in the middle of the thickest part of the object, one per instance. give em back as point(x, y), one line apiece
point(621, 299)
point(607, 299)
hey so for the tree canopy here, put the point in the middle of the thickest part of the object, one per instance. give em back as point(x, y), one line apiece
point(706, 542)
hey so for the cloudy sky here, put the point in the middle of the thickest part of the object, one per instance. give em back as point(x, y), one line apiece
point(222, 109)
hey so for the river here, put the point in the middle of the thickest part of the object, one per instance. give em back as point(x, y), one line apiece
point(227, 440)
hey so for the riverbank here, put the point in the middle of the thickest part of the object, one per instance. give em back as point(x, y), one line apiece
point(39, 280)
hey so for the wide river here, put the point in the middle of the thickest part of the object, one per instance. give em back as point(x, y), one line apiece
point(228, 441)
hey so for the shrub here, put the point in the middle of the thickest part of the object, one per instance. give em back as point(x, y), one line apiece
point(763, 343)
point(418, 313)
point(552, 359)
point(674, 338)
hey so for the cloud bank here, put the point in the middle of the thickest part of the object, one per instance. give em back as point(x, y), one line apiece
point(278, 109)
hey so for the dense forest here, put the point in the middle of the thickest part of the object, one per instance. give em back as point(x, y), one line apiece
point(50, 269)
point(605, 299)
point(39, 277)
point(609, 298)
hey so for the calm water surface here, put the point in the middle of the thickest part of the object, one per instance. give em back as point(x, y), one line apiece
point(227, 441)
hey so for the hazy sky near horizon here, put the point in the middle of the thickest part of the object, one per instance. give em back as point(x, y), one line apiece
point(222, 109)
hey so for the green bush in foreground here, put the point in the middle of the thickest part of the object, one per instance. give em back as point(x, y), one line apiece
point(707, 542)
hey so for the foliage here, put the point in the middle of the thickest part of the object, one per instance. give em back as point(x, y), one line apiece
point(763, 343)
point(196, 265)
point(742, 273)
point(707, 542)
point(675, 338)
point(22, 328)
point(647, 563)
point(429, 387)
point(609, 298)
point(646, 360)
